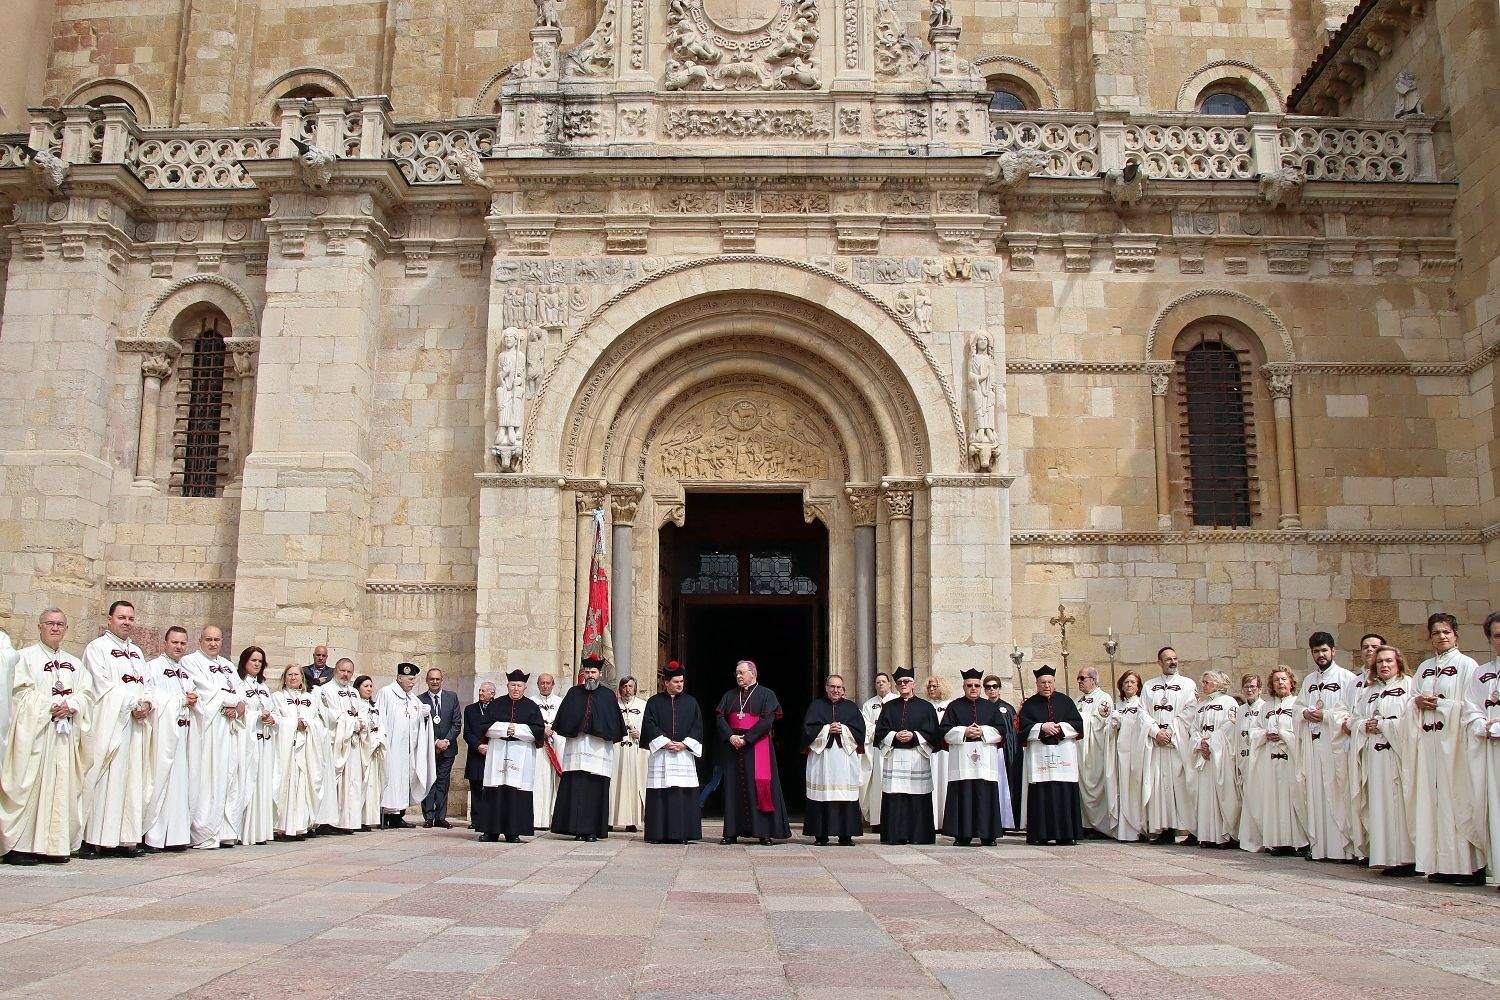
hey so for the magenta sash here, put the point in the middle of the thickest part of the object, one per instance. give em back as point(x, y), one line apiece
point(744, 721)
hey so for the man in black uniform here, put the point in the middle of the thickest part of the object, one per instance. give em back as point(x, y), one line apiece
point(590, 721)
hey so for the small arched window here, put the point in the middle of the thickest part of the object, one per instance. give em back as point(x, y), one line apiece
point(306, 92)
point(200, 434)
point(1005, 99)
point(1010, 94)
point(1218, 440)
point(1223, 102)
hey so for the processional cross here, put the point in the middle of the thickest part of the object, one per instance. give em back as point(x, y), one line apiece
point(1062, 620)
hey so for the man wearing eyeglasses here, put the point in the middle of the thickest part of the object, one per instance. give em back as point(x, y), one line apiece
point(1011, 745)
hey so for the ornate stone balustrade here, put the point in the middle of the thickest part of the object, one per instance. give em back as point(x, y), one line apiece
point(424, 150)
point(1199, 147)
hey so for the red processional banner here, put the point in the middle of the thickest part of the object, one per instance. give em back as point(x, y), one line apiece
point(596, 641)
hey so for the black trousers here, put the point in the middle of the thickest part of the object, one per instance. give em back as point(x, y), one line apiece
point(435, 806)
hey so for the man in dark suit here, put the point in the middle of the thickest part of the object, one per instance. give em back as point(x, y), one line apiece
point(447, 725)
point(478, 718)
point(318, 672)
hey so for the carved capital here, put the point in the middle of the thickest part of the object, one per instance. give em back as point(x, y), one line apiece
point(1278, 381)
point(1161, 377)
point(157, 366)
point(898, 504)
point(588, 501)
point(624, 504)
point(862, 500)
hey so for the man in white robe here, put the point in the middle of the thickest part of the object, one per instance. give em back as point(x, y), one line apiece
point(411, 762)
point(1440, 761)
point(8, 657)
point(1096, 765)
point(342, 804)
point(545, 783)
point(1324, 706)
point(627, 789)
point(169, 809)
point(1486, 726)
point(45, 763)
point(220, 711)
point(871, 767)
point(1169, 700)
point(120, 739)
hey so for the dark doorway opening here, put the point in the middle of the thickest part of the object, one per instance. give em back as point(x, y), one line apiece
point(745, 578)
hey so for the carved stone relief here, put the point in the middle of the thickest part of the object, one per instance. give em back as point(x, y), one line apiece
point(741, 45)
point(743, 436)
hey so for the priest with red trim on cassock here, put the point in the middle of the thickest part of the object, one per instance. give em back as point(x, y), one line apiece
point(753, 803)
point(1051, 728)
point(515, 731)
point(672, 733)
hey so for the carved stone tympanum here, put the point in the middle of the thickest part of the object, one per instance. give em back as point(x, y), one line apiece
point(744, 436)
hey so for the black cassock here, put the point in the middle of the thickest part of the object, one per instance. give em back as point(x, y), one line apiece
point(504, 811)
point(673, 815)
point(906, 817)
point(1012, 746)
point(753, 803)
point(477, 719)
point(972, 808)
point(1053, 809)
point(582, 806)
point(833, 819)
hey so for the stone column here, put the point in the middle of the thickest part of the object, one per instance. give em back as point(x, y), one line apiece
point(898, 507)
point(862, 500)
point(623, 508)
point(1161, 382)
point(242, 364)
point(64, 294)
point(586, 500)
point(306, 495)
point(1279, 382)
point(155, 368)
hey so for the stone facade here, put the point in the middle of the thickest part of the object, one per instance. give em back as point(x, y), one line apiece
point(781, 246)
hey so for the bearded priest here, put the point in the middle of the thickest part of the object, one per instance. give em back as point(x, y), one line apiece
point(589, 719)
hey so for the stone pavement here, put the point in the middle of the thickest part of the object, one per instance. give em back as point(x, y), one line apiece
point(430, 913)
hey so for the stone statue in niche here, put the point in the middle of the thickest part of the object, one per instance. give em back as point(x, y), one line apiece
point(922, 310)
point(941, 16)
point(982, 386)
point(553, 305)
point(547, 15)
point(1408, 99)
point(510, 405)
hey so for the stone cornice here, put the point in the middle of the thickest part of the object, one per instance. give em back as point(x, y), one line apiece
point(1255, 536)
point(380, 179)
point(145, 585)
point(418, 587)
point(1413, 369)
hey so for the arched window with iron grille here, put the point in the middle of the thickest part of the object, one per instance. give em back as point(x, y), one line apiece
point(200, 434)
point(1215, 406)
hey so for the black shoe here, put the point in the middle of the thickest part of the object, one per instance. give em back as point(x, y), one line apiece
point(443, 824)
point(51, 859)
point(427, 824)
point(19, 858)
point(726, 841)
point(1191, 841)
point(400, 823)
point(591, 839)
point(88, 852)
point(846, 841)
point(963, 841)
point(512, 840)
point(765, 842)
point(133, 851)
point(987, 843)
point(1165, 837)
point(489, 838)
point(1066, 843)
point(1398, 871)
point(820, 841)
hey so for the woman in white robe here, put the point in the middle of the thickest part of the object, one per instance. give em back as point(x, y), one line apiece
point(937, 693)
point(1213, 734)
point(262, 766)
point(1485, 695)
point(302, 746)
point(370, 750)
point(627, 789)
point(1375, 783)
point(1131, 727)
point(1249, 718)
point(1273, 812)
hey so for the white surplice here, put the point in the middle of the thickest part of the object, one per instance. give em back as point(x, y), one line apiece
point(673, 768)
point(262, 763)
point(1440, 768)
point(1324, 759)
point(410, 761)
point(8, 657)
point(872, 768)
point(302, 748)
point(834, 772)
point(510, 761)
point(1169, 802)
point(1096, 766)
point(1131, 728)
point(1486, 730)
point(121, 747)
point(1216, 794)
point(43, 772)
point(220, 806)
point(544, 782)
point(627, 787)
point(1273, 809)
point(342, 803)
point(1376, 792)
point(169, 807)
